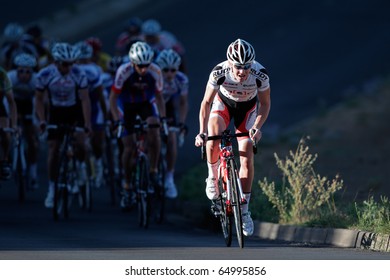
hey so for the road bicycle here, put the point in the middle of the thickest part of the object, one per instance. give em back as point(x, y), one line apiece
point(142, 188)
point(66, 186)
point(228, 205)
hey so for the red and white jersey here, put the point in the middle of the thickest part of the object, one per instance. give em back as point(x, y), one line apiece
point(222, 78)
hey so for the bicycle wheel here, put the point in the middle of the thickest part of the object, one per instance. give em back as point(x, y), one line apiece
point(225, 218)
point(141, 186)
point(233, 177)
point(61, 192)
point(19, 169)
point(159, 195)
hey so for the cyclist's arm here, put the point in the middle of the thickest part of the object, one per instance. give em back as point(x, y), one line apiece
point(86, 105)
point(160, 104)
point(205, 107)
point(40, 105)
point(9, 95)
point(114, 105)
point(265, 106)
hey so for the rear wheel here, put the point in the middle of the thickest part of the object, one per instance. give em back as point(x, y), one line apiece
point(236, 202)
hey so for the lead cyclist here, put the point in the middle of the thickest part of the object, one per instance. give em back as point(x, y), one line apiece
point(238, 88)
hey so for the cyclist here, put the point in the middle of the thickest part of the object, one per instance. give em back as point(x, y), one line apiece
point(23, 79)
point(100, 57)
point(175, 95)
point(34, 36)
point(130, 35)
point(14, 44)
point(238, 88)
point(65, 86)
point(98, 106)
point(138, 84)
point(159, 40)
point(6, 121)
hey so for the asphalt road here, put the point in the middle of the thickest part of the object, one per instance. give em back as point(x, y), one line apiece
point(316, 52)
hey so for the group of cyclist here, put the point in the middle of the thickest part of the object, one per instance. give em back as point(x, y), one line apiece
point(81, 84)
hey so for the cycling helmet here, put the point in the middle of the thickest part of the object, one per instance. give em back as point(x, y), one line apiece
point(168, 58)
point(95, 43)
point(25, 60)
point(64, 52)
point(133, 25)
point(114, 63)
point(240, 52)
point(151, 27)
point(141, 53)
point(84, 49)
point(13, 32)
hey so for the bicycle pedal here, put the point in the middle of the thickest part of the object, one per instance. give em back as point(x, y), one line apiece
point(244, 201)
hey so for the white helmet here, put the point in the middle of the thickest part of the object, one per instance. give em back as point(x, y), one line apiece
point(141, 53)
point(240, 52)
point(64, 52)
point(25, 60)
point(84, 49)
point(151, 27)
point(168, 58)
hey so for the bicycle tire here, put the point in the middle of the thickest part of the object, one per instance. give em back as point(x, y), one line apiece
point(159, 201)
point(225, 219)
point(141, 186)
point(233, 177)
point(61, 193)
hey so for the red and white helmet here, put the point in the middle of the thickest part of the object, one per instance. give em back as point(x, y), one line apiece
point(240, 52)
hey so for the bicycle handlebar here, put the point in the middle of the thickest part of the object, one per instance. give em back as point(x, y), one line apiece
point(226, 135)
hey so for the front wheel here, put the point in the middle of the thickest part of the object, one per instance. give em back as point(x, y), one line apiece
point(141, 187)
point(225, 218)
point(236, 201)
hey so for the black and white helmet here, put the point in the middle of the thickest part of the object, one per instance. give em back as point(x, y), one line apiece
point(25, 60)
point(64, 52)
point(240, 52)
point(141, 53)
point(168, 58)
point(84, 49)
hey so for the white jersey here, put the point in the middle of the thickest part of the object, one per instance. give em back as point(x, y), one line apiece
point(62, 89)
point(22, 91)
point(94, 74)
point(177, 87)
point(221, 77)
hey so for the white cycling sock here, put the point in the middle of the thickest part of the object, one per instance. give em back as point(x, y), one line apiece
point(245, 207)
point(213, 169)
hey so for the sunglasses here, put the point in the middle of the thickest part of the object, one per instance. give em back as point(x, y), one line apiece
point(166, 70)
point(243, 66)
point(24, 71)
point(143, 65)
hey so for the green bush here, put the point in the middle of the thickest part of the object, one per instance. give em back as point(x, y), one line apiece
point(304, 195)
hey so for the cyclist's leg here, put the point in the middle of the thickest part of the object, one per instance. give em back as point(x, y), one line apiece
point(128, 161)
point(97, 145)
point(218, 121)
